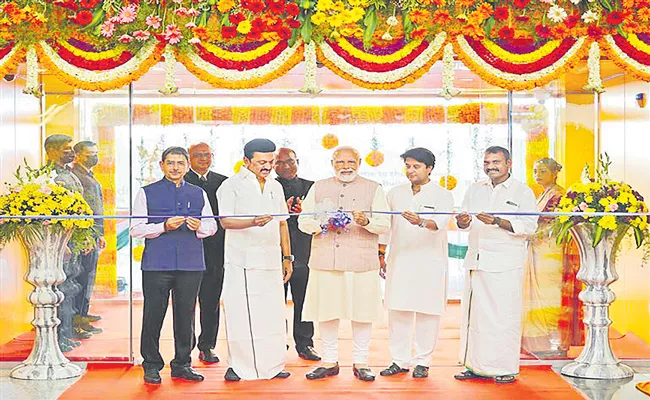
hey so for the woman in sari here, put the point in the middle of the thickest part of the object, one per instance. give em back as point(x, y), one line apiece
point(552, 311)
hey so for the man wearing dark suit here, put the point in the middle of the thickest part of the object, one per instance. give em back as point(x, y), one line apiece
point(295, 190)
point(86, 159)
point(210, 291)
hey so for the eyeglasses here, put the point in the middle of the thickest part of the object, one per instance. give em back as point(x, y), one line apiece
point(202, 155)
point(290, 162)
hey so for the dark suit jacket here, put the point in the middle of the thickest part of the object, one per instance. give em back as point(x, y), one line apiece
point(92, 194)
point(300, 242)
point(212, 245)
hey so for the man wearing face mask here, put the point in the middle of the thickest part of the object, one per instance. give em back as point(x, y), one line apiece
point(258, 261)
point(86, 159)
point(59, 155)
point(490, 336)
point(344, 278)
point(416, 279)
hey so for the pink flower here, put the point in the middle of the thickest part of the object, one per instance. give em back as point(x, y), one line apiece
point(195, 40)
point(108, 28)
point(181, 11)
point(190, 25)
point(613, 207)
point(153, 21)
point(114, 20)
point(173, 34)
point(575, 209)
point(125, 38)
point(193, 12)
point(47, 222)
point(141, 35)
point(46, 190)
point(128, 14)
point(178, 1)
point(583, 206)
point(2, 221)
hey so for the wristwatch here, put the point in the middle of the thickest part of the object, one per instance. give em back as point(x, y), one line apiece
point(288, 258)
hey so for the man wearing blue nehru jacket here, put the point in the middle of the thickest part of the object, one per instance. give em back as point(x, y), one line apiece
point(172, 261)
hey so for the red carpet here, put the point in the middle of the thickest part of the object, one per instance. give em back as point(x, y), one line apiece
point(113, 343)
point(124, 382)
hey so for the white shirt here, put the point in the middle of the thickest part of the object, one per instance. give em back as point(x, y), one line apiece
point(417, 257)
point(141, 229)
point(492, 248)
point(255, 247)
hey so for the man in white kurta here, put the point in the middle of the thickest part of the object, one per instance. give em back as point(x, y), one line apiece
point(344, 278)
point(416, 278)
point(253, 289)
point(492, 299)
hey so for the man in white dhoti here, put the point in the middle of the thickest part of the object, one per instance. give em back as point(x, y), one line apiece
point(344, 281)
point(257, 257)
point(416, 278)
point(492, 299)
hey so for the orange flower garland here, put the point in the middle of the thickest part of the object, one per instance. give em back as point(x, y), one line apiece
point(330, 141)
point(375, 158)
point(10, 62)
point(448, 182)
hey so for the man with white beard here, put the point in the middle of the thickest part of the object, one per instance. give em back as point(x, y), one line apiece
point(344, 280)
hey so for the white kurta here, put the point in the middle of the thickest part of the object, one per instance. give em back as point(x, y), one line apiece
point(492, 299)
point(253, 292)
point(354, 296)
point(417, 260)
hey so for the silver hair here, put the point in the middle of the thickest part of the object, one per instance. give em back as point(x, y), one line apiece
point(346, 148)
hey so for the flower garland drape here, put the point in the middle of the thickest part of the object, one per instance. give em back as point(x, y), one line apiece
point(377, 44)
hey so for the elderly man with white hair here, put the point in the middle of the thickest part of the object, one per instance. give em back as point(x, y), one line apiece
point(344, 280)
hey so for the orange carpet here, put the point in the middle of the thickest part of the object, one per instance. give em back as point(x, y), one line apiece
point(125, 382)
point(113, 343)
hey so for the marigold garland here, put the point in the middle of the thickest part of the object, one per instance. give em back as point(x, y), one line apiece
point(405, 51)
point(67, 73)
point(329, 141)
point(257, 62)
point(611, 50)
point(242, 56)
point(511, 81)
point(373, 66)
point(536, 55)
point(9, 62)
point(384, 85)
point(90, 55)
point(191, 61)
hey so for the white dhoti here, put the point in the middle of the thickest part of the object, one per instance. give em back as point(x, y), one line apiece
point(353, 296)
point(490, 336)
point(254, 309)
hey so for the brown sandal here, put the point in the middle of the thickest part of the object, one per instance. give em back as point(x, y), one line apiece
point(465, 375)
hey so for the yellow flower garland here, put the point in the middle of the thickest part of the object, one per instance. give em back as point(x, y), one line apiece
point(203, 75)
point(387, 59)
point(245, 56)
point(609, 48)
point(474, 64)
point(379, 86)
point(536, 55)
point(71, 80)
point(638, 44)
point(10, 62)
point(88, 55)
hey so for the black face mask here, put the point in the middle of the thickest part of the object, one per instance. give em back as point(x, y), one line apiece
point(91, 161)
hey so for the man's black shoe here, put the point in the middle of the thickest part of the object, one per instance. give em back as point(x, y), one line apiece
point(187, 374)
point(282, 375)
point(152, 377)
point(231, 376)
point(309, 353)
point(322, 372)
point(420, 371)
point(208, 356)
point(92, 318)
point(394, 369)
point(79, 333)
point(364, 374)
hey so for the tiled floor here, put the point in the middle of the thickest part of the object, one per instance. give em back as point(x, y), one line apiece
point(11, 389)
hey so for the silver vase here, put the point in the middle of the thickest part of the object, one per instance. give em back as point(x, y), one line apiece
point(46, 246)
point(597, 271)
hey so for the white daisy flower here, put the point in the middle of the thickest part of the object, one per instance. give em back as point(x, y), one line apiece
point(556, 14)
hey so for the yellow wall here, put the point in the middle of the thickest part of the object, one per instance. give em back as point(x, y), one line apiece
point(20, 140)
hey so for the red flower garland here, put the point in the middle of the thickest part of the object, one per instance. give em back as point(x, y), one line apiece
point(376, 67)
point(519, 69)
point(92, 65)
point(636, 54)
point(6, 50)
point(240, 65)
